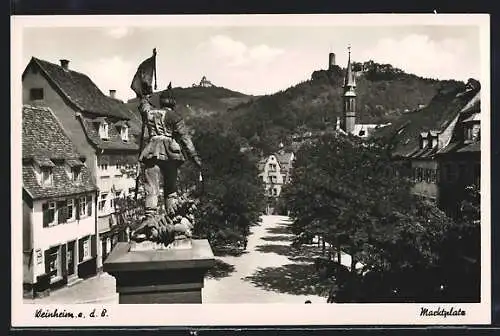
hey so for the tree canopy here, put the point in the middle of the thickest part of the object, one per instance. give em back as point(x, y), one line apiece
point(232, 196)
point(350, 193)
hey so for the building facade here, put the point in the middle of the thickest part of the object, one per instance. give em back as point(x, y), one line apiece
point(275, 171)
point(444, 162)
point(59, 206)
point(98, 125)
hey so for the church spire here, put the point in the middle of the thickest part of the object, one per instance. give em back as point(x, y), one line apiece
point(349, 121)
point(350, 80)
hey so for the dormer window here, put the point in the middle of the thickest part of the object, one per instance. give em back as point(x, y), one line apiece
point(472, 129)
point(424, 141)
point(46, 176)
point(104, 130)
point(76, 173)
point(434, 142)
point(124, 133)
point(74, 169)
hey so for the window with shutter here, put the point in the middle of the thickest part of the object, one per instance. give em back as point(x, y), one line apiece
point(77, 207)
point(82, 207)
point(70, 209)
point(62, 212)
point(89, 206)
point(45, 208)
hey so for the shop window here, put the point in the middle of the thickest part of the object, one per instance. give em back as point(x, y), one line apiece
point(53, 263)
point(86, 249)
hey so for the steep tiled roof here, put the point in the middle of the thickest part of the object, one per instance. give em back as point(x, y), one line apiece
point(79, 89)
point(436, 116)
point(44, 141)
point(114, 142)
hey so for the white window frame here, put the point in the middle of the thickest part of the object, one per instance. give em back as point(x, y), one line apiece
point(104, 130)
point(53, 207)
point(83, 206)
point(103, 199)
point(71, 204)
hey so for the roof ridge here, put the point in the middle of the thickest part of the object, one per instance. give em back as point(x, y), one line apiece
point(49, 77)
point(100, 103)
point(57, 65)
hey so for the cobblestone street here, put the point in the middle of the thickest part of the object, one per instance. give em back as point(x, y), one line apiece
point(270, 272)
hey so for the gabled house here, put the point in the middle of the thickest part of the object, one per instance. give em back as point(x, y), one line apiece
point(271, 175)
point(275, 171)
point(442, 161)
point(460, 158)
point(59, 212)
point(98, 125)
point(286, 163)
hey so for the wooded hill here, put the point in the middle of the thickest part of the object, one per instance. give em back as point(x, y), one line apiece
point(384, 94)
point(200, 101)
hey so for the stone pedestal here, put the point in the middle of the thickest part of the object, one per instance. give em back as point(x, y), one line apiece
point(161, 275)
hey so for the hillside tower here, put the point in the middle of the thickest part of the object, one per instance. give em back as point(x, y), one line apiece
point(331, 61)
point(349, 117)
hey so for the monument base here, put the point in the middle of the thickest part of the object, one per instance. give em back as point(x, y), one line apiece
point(174, 275)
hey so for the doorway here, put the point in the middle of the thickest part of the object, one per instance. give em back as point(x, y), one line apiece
point(70, 258)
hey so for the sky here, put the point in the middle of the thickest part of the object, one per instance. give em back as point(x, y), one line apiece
point(251, 59)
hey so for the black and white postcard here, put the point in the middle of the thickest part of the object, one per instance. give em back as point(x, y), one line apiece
point(250, 170)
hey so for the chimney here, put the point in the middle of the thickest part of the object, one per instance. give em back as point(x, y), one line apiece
point(64, 64)
point(112, 94)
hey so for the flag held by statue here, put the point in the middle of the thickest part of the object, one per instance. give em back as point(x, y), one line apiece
point(142, 83)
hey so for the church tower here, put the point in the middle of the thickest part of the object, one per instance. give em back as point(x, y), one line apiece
point(349, 117)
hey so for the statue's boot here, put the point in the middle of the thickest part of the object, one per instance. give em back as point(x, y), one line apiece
point(147, 230)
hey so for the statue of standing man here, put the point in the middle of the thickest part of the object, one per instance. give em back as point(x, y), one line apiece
point(165, 146)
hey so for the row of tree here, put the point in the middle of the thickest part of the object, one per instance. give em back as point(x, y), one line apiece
point(231, 195)
point(350, 195)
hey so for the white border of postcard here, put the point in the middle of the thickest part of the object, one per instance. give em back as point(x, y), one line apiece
point(246, 314)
